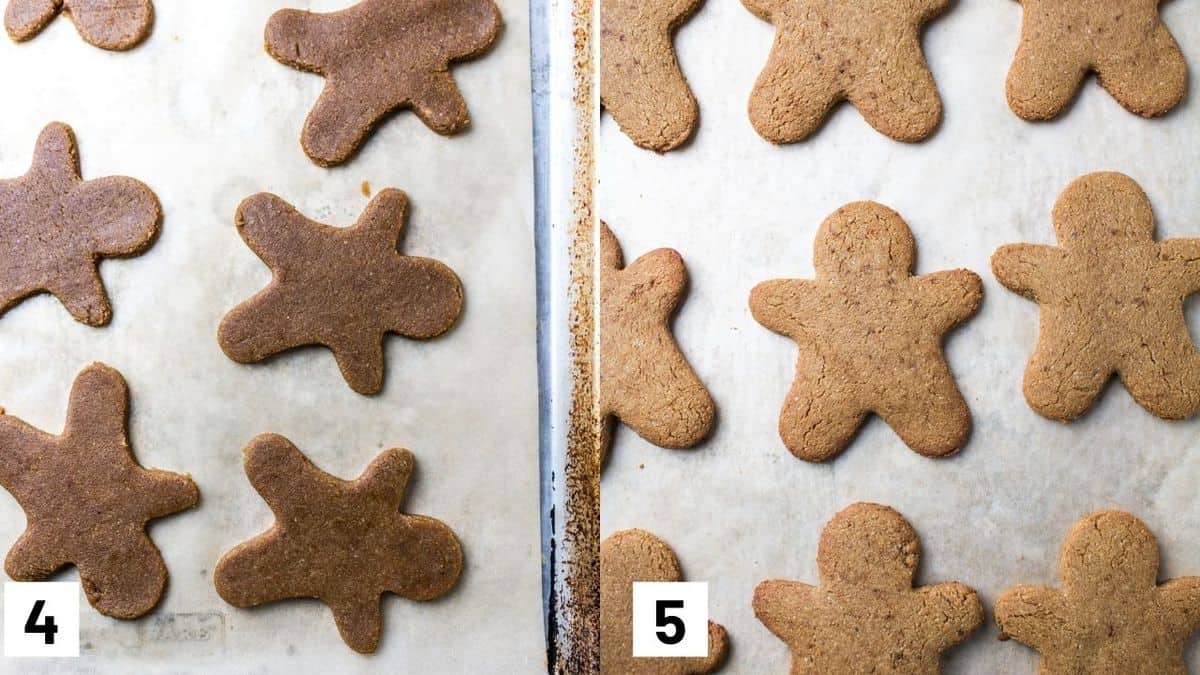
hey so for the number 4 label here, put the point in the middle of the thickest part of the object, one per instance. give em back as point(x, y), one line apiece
point(41, 619)
point(670, 619)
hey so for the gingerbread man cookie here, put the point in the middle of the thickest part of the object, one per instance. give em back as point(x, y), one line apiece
point(641, 83)
point(645, 381)
point(344, 288)
point(870, 337)
point(343, 542)
point(116, 25)
point(87, 500)
point(1123, 41)
point(637, 555)
point(867, 52)
point(866, 616)
point(55, 227)
point(401, 59)
point(1111, 615)
point(1111, 299)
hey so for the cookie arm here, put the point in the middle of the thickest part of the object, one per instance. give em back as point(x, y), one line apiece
point(274, 229)
point(952, 296)
point(1034, 616)
point(660, 277)
point(787, 608)
point(1181, 600)
point(785, 306)
point(24, 19)
point(387, 477)
point(1027, 269)
point(298, 38)
point(953, 610)
point(99, 407)
point(279, 471)
point(440, 104)
point(1183, 258)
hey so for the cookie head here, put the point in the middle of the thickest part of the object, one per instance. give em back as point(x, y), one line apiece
point(869, 545)
point(1103, 205)
point(864, 239)
point(1117, 547)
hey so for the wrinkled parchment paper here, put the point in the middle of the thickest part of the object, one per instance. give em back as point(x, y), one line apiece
point(740, 508)
point(205, 117)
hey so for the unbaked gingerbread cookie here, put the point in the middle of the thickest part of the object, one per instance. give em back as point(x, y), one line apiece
point(115, 25)
point(867, 52)
point(1111, 301)
point(870, 336)
point(1124, 42)
point(866, 616)
point(1111, 615)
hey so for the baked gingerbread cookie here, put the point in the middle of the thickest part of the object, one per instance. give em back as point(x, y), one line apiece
point(641, 83)
point(341, 287)
point(1124, 42)
point(1111, 615)
point(55, 227)
point(87, 500)
point(400, 59)
point(1111, 300)
point(867, 52)
point(343, 542)
point(633, 556)
point(866, 616)
point(870, 336)
point(645, 381)
point(116, 25)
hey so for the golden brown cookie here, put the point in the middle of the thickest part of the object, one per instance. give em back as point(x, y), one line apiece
point(55, 227)
point(1123, 41)
point(866, 616)
point(87, 500)
point(380, 56)
point(343, 542)
point(115, 25)
point(637, 555)
point(867, 52)
point(1111, 299)
point(641, 83)
point(870, 337)
point(645, 381)
point(344, 288)
point(1110, 617)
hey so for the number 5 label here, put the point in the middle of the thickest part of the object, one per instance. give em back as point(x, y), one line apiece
point(670, 619)
point(41, 619)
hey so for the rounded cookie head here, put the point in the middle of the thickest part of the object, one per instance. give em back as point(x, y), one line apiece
point(869, 545)
point(864, 238)
point(1112, 550)
point(1103, 205)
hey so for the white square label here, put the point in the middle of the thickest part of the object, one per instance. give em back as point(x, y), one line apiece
point(41, 619)
point(670, 619)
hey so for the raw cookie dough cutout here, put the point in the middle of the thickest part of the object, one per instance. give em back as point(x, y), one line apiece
point(115, 25)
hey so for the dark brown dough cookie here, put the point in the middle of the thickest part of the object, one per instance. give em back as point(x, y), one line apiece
point(1112, 303)
point(866, 616)
point(641, 83)
point(1123, 41)
point(380, 56)
point(341, 287)
point(343, 542)
point(645, 381)
point(637, 555)
point(87, 500)
point(116, 25)
point(1110, 617)
point(867, 52)
point(870, 337)
point(55, 227)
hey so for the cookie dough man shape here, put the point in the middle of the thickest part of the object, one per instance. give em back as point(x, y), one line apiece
point(870, 338)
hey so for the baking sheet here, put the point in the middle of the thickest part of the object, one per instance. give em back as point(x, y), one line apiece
point(204, 116)
point(740, 508)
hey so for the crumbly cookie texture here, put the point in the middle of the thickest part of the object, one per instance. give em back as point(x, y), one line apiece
point(344, 288)
point(342, 542)
point(1111, 300)
point(116, 25)
point(1111, 615)
point(1124, 42)
point(866, 616)
point(55, 227)
point(637, 555)
point(87, 500)
point(870, 336)
point(645, 381)
point(641, 83)
point(867, 52)
point(379, 56)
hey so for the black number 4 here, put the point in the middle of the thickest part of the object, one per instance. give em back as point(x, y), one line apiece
point(663, 620)
point(49, 628)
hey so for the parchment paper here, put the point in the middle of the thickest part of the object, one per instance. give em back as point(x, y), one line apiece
point(740, 508)
point(205, 117)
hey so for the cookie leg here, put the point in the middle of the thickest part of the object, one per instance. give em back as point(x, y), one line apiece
point(23, 19)
point(929, 413)
point(1165, 379)
point(34, 557)
point(1042, 81)
point(793, 94)
point(440, 104)
point(902, 101)
point(125, 578)
point(1151, 80)
point(359, 621)
point(646, 92)
point(1065, 375)
point(340, 122)
point(112, 24)
point(81, 291)
point(668, 406)
point(819, 418)
point(361, 363)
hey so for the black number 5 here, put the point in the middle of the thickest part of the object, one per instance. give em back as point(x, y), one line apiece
point(663, 620)
point(48, 628)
